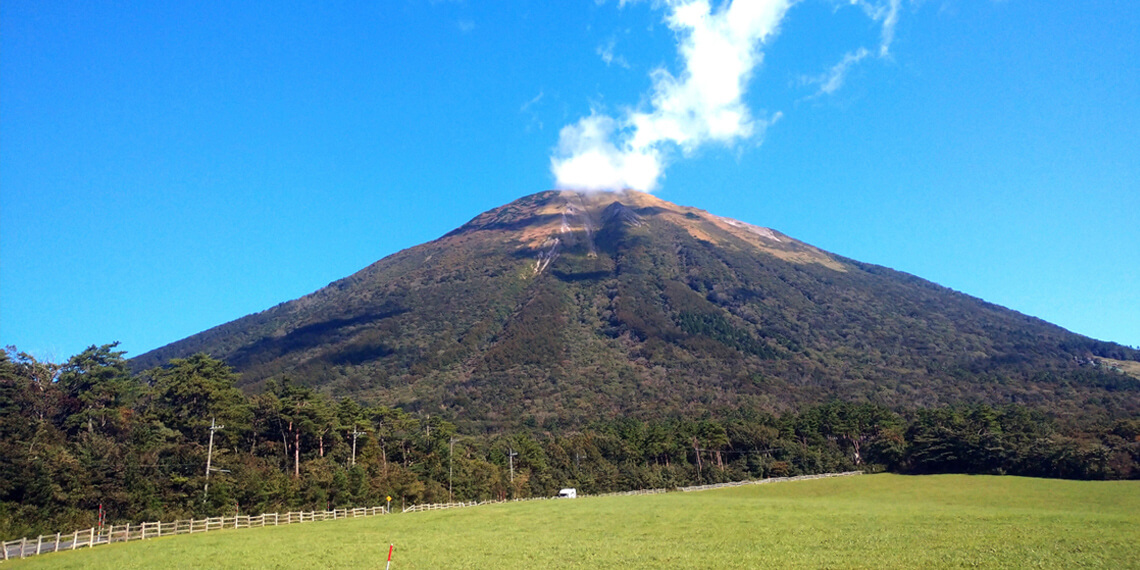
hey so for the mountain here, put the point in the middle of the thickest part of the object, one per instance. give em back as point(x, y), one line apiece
point(563, 307)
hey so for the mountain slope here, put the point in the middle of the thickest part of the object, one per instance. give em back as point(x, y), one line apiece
point(562, 307)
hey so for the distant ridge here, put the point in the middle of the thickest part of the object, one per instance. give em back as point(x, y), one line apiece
point(563, 307)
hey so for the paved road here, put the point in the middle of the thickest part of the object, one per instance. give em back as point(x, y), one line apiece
point(48, 545)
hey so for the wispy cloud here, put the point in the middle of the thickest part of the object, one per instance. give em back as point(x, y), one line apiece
point(886, 12)
point(606, 51)
point(532, 102)
point(889, 21)
point(719, 48)
point(528, 109)
point(832, 80)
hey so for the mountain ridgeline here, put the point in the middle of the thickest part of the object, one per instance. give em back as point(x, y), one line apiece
point(561, 308)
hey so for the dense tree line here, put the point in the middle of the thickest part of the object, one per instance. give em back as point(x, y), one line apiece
point(88, 433)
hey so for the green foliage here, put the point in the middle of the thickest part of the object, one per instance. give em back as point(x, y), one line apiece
point(97, 385)
point(291, 447)
point(189, 393)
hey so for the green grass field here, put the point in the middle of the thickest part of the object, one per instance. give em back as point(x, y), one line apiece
point(870, 521)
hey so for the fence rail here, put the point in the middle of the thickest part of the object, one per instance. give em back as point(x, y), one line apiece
point(439, 506)
point(123, 533)
point(126, 532)
point(770, 480)
point(628, 493)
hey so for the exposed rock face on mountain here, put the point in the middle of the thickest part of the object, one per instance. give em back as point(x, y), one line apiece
point(562, 307)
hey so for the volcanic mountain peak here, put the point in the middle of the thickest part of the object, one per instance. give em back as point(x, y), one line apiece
point(549, 222)
point(566, 306)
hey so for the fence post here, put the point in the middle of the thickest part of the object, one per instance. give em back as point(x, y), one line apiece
point(56, 549)
point(91, 539)
point(39, 541)
point(74, 539)
point(23, 543)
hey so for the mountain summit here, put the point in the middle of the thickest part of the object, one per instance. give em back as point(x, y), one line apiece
point(562, 307)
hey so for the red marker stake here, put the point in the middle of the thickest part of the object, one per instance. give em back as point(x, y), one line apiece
point(391, 547)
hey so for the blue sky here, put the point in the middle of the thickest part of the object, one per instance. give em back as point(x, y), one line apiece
point(165, 168)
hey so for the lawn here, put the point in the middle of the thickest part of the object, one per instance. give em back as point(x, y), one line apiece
point(869, 521)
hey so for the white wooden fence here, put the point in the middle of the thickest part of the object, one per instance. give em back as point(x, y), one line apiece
point(123, 533)
point(769, 480)
point(440, 506)
point(627, 493)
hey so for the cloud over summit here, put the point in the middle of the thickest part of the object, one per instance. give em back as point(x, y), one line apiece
point(720, 47)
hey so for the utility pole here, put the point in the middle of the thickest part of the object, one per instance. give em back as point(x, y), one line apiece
point(697, 450)
point(355, 433)
point(209, 456)
point(450, 454)
point(511, 456)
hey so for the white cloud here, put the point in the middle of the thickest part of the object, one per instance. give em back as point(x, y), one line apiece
point(590, 161)
point(720, 48)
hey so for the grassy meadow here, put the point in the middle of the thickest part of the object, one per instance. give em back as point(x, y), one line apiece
point(869, 521)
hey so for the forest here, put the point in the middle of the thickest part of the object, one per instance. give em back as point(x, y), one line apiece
point(88, 433)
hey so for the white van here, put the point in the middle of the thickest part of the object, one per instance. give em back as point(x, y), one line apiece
point(568, 493)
